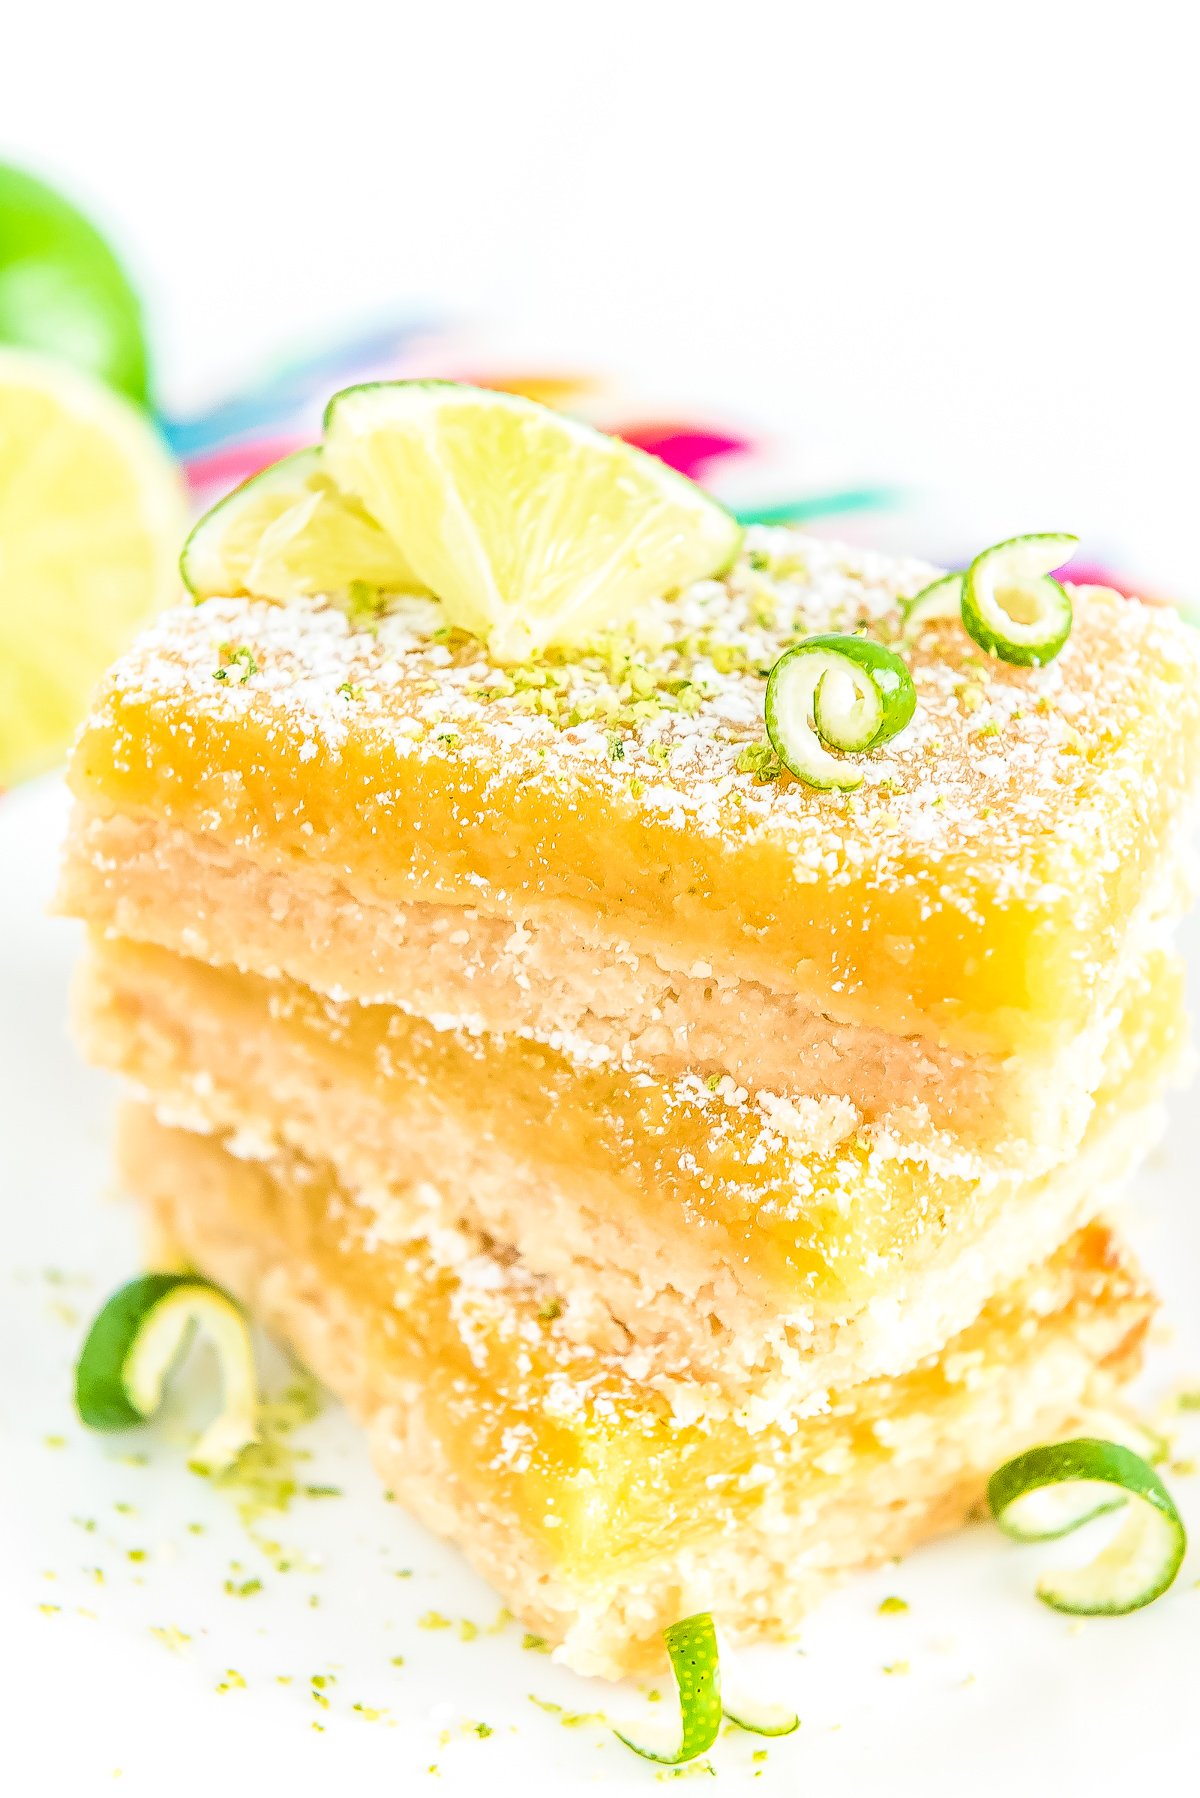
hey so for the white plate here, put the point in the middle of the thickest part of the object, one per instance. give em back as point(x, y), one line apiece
point(1000, 1694)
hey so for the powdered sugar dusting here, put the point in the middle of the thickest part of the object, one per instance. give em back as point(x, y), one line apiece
point(997, 758)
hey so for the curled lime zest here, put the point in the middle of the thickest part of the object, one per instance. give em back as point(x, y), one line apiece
point(137, 1339)
point(696, 1665)
point(697, 1654)
point(751, 1710)
point(941, 599)
point(1055, 1489)
point(1012, 607)
point(835, 692)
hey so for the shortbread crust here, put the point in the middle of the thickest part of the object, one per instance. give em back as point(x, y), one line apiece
point(731, 1238)
point(597, 1004)
point(598, 1518)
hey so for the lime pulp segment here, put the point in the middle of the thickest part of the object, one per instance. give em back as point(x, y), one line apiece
point(529, 527)
point(91, 514)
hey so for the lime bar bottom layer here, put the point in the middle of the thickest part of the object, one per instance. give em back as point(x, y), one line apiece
point(596, 1512)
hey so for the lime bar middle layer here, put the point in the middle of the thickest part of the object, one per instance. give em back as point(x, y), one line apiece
point(740, 1240)
point(767, 1099)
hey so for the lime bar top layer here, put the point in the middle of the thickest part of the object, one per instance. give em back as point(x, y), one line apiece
point(976, 890)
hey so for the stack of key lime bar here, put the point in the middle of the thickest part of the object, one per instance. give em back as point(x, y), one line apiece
point(684, 1144)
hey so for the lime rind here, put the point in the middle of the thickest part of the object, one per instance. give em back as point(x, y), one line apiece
point(1143, 1557)
point(756, 1713)
point(1122, 1426)
point(101, 1397)
point(1136, 1567)
point(63, 290)
point(940, 600)
point(760, 1717)
point(141, 1334)
point(700, 1662)
point(1011, 605)
point(835, 692)
point(530, 527)
point(1045, 1513)
point(695, 1663)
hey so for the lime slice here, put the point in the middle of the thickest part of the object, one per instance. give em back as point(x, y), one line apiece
point(288, 532)
point(835, 692)
point(91, 514)
point(138, 1337)
point(1011, 606)
point(1050, 1491)
point(63, 291)
point(91, 511)
point(530, 528)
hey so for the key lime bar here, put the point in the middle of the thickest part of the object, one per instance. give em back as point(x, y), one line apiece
point(598, 1516)
point(584, 850)
point(764, 1248)
point(654, 1018)
point(512, 924)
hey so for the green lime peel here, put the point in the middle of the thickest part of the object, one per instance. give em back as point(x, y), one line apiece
point(137, 1339)
point(1050, 1491)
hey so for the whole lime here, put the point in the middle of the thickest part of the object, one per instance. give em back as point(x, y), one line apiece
point(63, 291)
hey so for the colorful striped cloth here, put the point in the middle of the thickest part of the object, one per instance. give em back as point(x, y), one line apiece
point(751, 469)
point(247, 430)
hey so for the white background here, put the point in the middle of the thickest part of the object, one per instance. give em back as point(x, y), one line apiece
point(954, 244)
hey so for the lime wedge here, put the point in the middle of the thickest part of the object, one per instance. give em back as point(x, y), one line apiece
point(63, 291)
point(91, 514)
point(529, 527)
point(288, 532)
